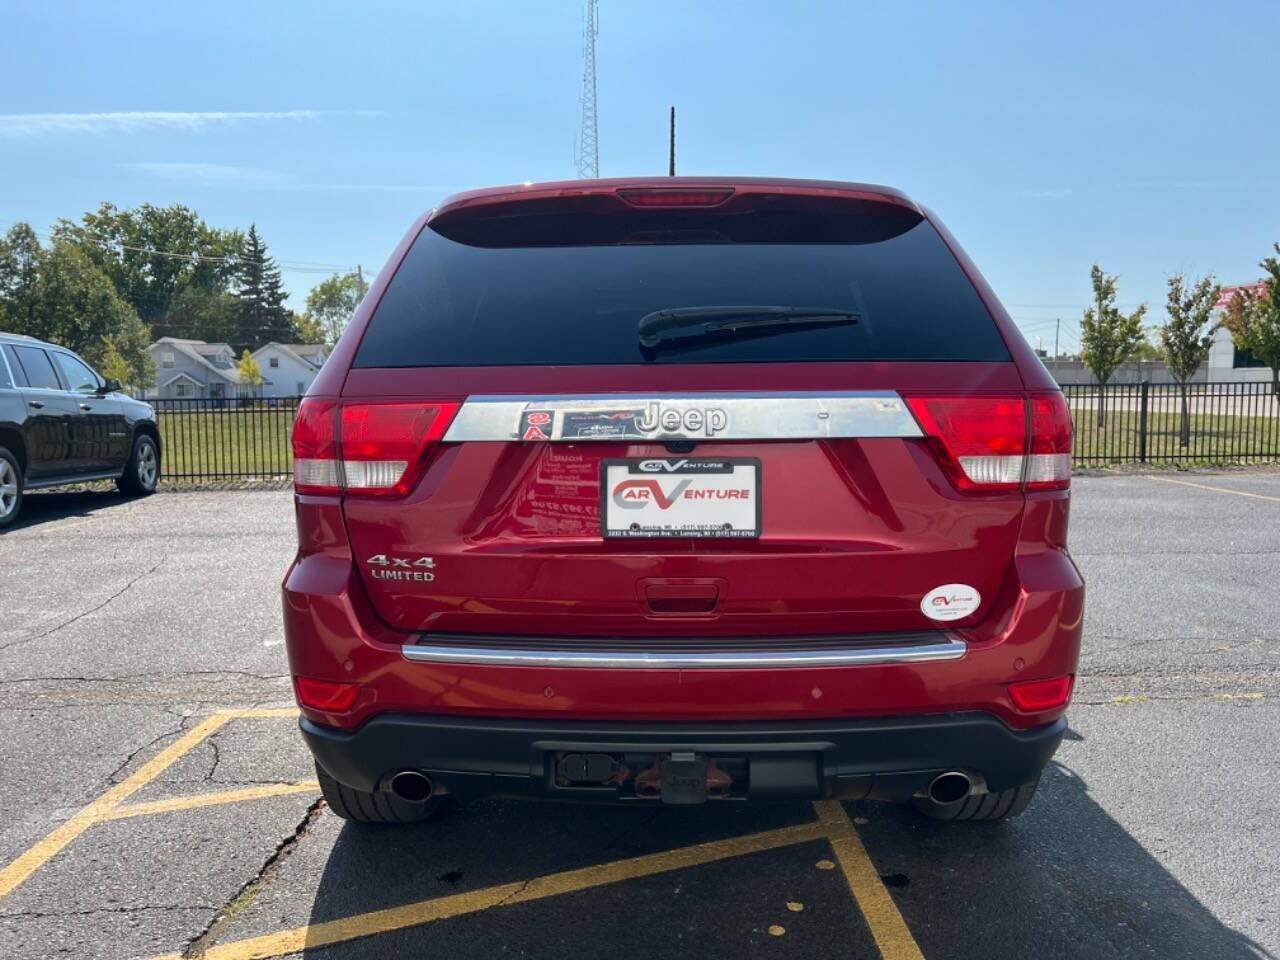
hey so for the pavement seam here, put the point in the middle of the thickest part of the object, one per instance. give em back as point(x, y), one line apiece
point(200, 944)
point(113, 776)
point(80, 616)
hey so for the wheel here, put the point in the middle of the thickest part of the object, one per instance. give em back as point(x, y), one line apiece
point(10, 488)
point(377, 806)
point(142, 472)
point(1002, 805)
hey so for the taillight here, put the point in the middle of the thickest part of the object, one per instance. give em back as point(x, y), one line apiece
point(1049, 460)
point(315, 447)
point(1033, 695)
point(999, 442)
point(983, 438)
point(375, 449)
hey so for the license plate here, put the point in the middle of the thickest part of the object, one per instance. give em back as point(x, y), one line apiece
point(680, 497)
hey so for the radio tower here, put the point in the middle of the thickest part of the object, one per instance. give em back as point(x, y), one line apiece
point(588, 142)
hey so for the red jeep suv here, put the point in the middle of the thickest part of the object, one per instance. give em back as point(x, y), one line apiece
point(668, 490)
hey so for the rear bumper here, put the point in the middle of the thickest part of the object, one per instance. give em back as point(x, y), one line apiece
point(333, 633)
point(887, 758)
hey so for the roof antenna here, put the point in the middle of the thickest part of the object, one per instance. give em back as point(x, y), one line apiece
point(671, 167)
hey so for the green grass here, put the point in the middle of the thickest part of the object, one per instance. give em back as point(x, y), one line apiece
point(1214, 439)
point(254, 441)
point(226, 442)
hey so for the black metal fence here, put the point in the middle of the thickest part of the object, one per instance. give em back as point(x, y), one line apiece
point(241, 439)
point(1229, 423)
point(225, 439)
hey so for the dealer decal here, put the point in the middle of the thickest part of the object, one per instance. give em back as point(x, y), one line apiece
point(951, 601)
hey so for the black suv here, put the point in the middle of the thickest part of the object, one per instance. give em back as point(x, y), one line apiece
point(62, 423)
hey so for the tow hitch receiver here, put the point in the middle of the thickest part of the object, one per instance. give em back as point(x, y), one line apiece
point(684, 779)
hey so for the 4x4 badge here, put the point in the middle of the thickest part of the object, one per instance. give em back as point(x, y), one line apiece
point(402, 568)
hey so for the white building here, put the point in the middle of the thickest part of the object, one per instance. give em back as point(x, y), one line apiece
point(193, 369)
point(289, 368)
point(1227, 362)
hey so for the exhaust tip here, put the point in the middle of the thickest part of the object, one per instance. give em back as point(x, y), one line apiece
point(412, 786)
point(950, 787)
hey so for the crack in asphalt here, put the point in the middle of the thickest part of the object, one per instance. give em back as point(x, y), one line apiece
point(66, 623)
point(161, 674)
point(182, 724)
point(200, 944)
point(217, 757)
point(44, 914)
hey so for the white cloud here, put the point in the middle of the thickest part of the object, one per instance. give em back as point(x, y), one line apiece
point(209, 174)
point(23, 125)
point(199, 174)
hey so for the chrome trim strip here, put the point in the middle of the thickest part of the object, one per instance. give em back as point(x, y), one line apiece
point(657, 417)
point(951, 648)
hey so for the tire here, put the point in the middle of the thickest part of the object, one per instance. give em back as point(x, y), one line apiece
point(10, 488)
point(1002, 805)
point(142, 472)
point(379, 806)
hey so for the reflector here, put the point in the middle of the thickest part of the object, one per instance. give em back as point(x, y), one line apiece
point(326, 694)
point(1041, 694)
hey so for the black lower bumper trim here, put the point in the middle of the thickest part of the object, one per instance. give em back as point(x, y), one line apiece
point(886, 758)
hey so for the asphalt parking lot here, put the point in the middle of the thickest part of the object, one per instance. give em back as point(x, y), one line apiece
point(157, 801)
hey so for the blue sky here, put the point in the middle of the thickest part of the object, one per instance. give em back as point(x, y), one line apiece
point(1047, 136)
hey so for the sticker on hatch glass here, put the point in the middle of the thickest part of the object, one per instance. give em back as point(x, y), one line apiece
point(680, 497)
point(951, 601)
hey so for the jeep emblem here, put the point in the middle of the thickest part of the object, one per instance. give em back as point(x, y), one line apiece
point(673, 420)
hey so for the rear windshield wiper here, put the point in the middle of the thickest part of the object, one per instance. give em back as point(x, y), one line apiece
point(733, 321)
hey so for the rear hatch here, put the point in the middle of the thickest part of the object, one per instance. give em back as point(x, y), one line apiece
point(679, 413)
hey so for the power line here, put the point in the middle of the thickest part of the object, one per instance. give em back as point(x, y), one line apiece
point(297, 266)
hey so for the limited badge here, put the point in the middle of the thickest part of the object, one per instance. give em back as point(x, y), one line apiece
point(951, 601)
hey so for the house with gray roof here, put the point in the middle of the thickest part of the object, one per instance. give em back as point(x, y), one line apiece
point(188, 369)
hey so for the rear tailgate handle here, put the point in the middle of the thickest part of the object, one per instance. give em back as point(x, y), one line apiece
point(687, 596)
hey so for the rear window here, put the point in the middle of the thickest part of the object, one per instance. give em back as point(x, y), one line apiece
point(570, 289)
point(38, 368)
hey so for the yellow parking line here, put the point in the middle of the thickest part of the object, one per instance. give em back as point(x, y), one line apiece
point(425, 911)
point(1205, 486)
point(25, 865)
point(888, 928)
point(267, 712)
point(211, 799)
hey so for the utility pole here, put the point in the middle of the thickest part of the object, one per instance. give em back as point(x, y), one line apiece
point(671, 165)
point(588, 137)
point(360, 281)
point(1056, 325)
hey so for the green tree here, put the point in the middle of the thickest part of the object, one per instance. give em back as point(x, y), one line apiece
point(199, 314)
point(153, 254)
point(19, 273)
point(263, 315)
point(1186, 337)
point(307, 329)
point(1254, 320)
point(1146, 351)
point(56, 293)
point(1107, 336)
point(331, 303)
point(113, 366)
point(250, 372)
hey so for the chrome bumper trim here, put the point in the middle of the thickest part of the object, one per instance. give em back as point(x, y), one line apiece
point(950, 648)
